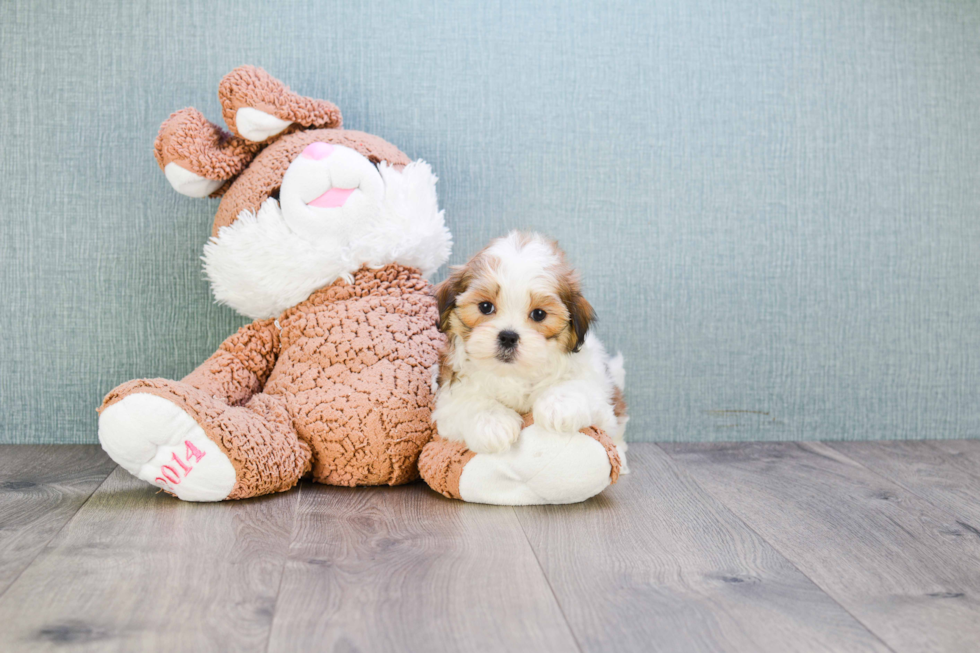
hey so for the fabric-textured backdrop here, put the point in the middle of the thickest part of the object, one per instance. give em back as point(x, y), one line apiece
point(775, 205)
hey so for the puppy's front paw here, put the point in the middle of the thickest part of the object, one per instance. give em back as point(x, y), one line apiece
point(493, 432)
point(562, 411)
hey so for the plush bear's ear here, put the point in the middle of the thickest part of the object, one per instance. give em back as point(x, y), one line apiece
point(447, 291)
point(197, 156)
point(258, 107)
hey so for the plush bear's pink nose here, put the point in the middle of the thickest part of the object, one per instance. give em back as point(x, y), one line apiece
point(318, 150)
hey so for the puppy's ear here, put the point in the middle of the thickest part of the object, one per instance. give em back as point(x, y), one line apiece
point(581, 315)
point(446, 293)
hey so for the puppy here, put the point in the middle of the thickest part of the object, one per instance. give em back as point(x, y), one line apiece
point(519, 343)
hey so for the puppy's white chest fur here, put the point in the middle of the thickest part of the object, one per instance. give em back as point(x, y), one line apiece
point(514, 391)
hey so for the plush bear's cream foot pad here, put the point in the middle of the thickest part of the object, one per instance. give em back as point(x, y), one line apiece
point(156, 441)
point(543, 467)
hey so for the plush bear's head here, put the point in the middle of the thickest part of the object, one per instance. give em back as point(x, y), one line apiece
point(304, 202)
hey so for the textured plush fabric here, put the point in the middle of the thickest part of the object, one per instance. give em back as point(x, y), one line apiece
point(603, 438)
point(248, 86)
point(188, 139)
point(774, 204)
point(441, 463)
point(343, 389)
point(355, 365)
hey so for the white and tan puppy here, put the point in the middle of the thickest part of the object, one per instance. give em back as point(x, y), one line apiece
point(519, 343)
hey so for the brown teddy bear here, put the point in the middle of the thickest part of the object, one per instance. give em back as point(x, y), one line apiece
point(324, 236)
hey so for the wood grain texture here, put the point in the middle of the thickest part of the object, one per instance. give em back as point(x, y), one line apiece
point(403, 569)
point(964, 454)
point(41, 488)
point(655, 564)
point(737, 547)
point(140, 571)
point(904, 568)
point(946, 474)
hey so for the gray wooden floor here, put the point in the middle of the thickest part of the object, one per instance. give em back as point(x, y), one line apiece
point(725, 547)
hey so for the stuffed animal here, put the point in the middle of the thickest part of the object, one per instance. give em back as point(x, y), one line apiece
point(542, 467)
point(324, 236)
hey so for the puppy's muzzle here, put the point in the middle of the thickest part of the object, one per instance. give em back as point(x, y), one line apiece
point(507, 345)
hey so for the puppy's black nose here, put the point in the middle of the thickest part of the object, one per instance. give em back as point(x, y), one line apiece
point(508, 339)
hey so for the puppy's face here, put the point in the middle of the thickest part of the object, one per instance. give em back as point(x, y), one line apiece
point(516, 305)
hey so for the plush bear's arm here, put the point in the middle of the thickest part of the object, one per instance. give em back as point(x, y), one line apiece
point(241, 365)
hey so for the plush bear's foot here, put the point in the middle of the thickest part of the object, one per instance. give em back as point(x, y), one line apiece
point(199, 448)
point(154, 440)
point(257, 106)
point(542, 467)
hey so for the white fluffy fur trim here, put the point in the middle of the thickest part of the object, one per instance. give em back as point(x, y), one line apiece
point(260, 267)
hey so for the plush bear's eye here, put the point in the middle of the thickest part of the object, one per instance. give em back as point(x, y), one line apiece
point(538, 315)
point(486, 308)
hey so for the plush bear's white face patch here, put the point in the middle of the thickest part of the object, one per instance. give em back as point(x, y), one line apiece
point(330, 193)
point(328, 222)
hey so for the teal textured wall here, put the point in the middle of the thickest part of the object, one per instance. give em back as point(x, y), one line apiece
point(776, 205)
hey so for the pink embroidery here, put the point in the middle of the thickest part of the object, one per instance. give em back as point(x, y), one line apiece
point(180, 462)
point(173, 477)
point(169, 475)
point(192, 451)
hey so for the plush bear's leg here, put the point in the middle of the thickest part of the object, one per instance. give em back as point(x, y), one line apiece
point(378, 423)
point(257, 106)
point(197, 447)
point(542, 467)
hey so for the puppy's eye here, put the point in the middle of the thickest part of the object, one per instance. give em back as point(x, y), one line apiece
point(486, 308)
point(538, 315)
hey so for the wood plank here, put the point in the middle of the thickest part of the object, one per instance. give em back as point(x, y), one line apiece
point(964, 454)
point(655, 564)
point(137, 570)
point(403, 569)
point(940, 473)
point(41, 488)
point(905, 569)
